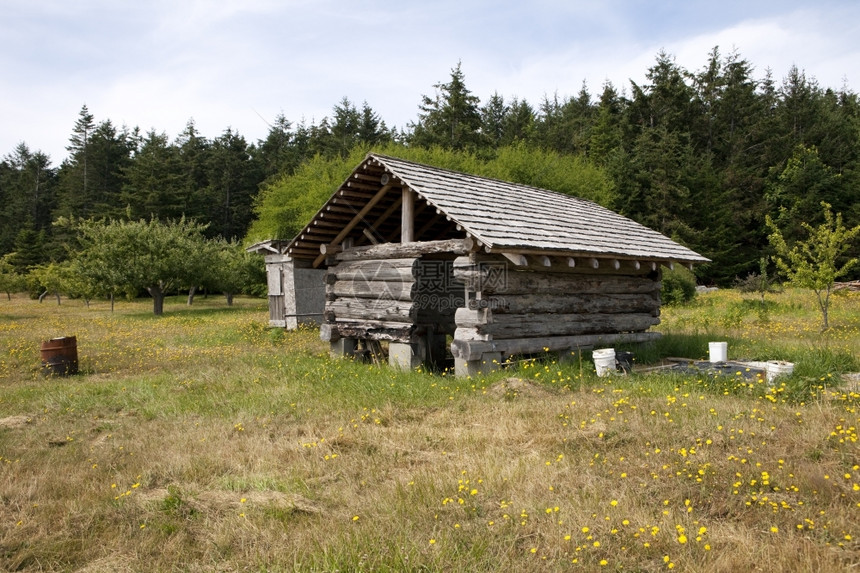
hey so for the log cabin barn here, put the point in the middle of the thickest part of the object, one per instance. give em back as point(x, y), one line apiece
point(432, 260)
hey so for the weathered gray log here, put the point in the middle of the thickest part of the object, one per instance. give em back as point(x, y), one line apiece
point(469, 333)
point(536, 325)
point(404, 250)
point(364, 264)
point(474, 349)
point(398, 270)
point(371, 309)
point(595, 303)
point(377, 330)
point(383, 290)
point(494, 280)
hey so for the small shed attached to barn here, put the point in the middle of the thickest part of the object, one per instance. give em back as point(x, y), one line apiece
point(296, 290)
point(419, 256)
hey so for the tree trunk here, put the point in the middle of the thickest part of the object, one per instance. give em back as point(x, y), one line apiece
point(191, 293)
point(824, 305)
point(229, 296)
point(111, 302)
point(157, 299)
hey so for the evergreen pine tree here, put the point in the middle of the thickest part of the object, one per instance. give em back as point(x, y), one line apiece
point(450, 119)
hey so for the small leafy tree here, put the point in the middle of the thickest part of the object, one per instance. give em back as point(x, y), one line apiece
point(93, 272)
point(760, 283)
point(235, 269)
point(816, 263)
point(49, 278)
point(128, 256)
point(67, 277)
point(76, 283)
point(10, 280)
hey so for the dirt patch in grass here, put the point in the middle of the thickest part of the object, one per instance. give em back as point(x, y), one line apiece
point(218, 501)
point(109, 564)
point(13, 422)
point(511, 388)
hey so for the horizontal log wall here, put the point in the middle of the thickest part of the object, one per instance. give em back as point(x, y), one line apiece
point(371, 309)
point(439, 295)
point(376, 290)
point(499, 277)
point(589, 303)
point(400, 292)
point(392, 291)
point(374, 269)
point(527, 325)
point(529, 307)
point(371, 299)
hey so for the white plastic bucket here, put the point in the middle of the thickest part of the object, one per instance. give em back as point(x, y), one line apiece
point(604, 361)
point(777, 368)
point(718, 351)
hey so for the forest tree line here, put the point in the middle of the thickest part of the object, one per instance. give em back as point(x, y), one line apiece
point(702, 156)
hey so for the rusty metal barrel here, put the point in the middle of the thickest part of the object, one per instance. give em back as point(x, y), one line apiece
point(60, 356)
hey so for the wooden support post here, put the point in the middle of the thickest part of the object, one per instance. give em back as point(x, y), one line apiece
point(407, 219)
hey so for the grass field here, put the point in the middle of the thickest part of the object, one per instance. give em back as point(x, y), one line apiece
point(204, 441)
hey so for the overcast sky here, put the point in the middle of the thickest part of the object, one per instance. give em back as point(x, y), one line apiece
point(155, 64)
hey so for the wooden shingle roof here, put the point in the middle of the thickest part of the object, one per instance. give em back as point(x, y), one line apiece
point(501, 216)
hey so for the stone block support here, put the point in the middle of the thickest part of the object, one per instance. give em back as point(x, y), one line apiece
point(343, 347)
point(407, 355)
point(488, 362)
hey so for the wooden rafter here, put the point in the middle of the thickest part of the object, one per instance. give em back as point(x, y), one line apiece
point(356, 220)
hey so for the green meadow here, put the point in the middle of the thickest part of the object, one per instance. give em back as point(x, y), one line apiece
point(202, 440)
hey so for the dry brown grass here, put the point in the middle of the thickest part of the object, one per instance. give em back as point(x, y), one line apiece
point(203, 442)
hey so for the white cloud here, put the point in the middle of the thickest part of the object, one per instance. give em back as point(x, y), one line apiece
point(801, 39)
